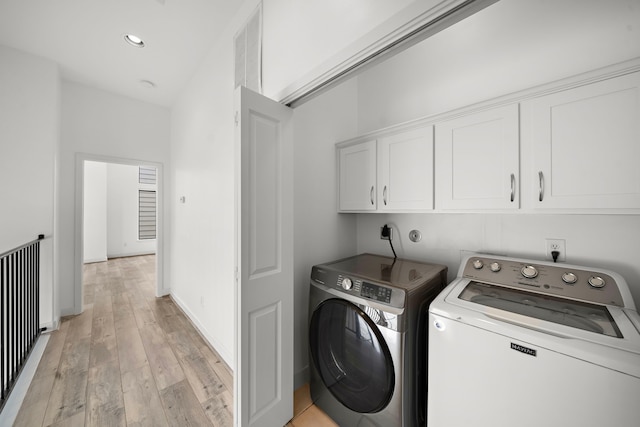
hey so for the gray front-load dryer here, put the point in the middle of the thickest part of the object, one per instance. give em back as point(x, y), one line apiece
point(368, 339)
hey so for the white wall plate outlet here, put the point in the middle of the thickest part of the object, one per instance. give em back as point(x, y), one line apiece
point(556, 245)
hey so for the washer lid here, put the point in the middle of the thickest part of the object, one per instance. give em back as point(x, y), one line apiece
point(501, 308)
point(576, 314)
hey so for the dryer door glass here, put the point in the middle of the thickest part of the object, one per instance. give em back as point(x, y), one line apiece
point(351, 356)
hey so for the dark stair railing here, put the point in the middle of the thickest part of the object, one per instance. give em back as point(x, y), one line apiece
point(19, 311)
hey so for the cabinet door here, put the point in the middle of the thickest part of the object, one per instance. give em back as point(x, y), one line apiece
point(357, 177)
point(405, 171)
point(477, 160)
point(584, 146)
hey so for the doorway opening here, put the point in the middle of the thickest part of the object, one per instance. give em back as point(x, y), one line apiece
point(119, 212)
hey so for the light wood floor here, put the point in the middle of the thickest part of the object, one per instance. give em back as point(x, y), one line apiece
point(306, 413)
point(129, 359)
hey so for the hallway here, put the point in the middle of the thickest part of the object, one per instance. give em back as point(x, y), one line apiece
point(130, 359)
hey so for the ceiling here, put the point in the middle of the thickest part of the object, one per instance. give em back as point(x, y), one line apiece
point(86, 39)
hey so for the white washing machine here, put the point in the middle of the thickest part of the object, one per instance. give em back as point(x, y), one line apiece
point(368, 339)
point(517, 342)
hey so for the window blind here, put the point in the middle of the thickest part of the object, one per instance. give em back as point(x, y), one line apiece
point(146, 175)
point(146, 214)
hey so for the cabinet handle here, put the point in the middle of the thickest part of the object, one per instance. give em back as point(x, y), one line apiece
point(371, 195)
point(384, 195)
point(541, 179)
point(513, 187)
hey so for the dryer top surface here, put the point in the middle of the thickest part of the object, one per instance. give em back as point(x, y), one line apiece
point(400, 273)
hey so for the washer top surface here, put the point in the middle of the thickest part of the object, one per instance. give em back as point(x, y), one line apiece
point(400, 273)
point(552, 306)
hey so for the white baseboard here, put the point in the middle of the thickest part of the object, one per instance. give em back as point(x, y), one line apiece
point(94, 260)
point(222, 351)
point(128, 254)
point(70, 311)
point(50, 326)
point(300, 378)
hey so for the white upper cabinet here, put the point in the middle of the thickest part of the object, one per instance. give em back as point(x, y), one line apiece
point(357, 177)
point(393, 173)
point(477, 160)
point(405, 171)
point(568, 147)
point(582, 147)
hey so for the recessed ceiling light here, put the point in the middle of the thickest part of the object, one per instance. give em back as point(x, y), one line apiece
point(148, 84)
point(133, 40)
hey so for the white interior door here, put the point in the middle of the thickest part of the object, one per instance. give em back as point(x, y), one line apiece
point(264, 289)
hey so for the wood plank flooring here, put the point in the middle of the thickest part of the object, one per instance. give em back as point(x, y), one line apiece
point(306, 413)
point(129, 359)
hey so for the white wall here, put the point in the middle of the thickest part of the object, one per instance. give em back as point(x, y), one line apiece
point(202, 232)
point(510, 46)
point(104, 125)
point(122, 212)
point(29, 136)
point(604, 241)
point(304, 38)
point(111, 212)
point(320, 233)
point(95, 212)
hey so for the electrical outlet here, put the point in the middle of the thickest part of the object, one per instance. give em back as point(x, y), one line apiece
point(386, 232)
point(556, 245)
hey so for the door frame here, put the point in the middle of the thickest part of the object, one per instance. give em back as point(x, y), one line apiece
point(81, 158)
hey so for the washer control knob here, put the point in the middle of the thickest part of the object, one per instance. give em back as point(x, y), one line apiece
point(477, 264)
point(495, 267)
point(347, 283)
point(569, 278)
point(596, 281)
point(529, 271)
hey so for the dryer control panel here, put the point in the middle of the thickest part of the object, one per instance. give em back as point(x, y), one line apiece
point(359, 287)
point(378, 293)
point(356, 286)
